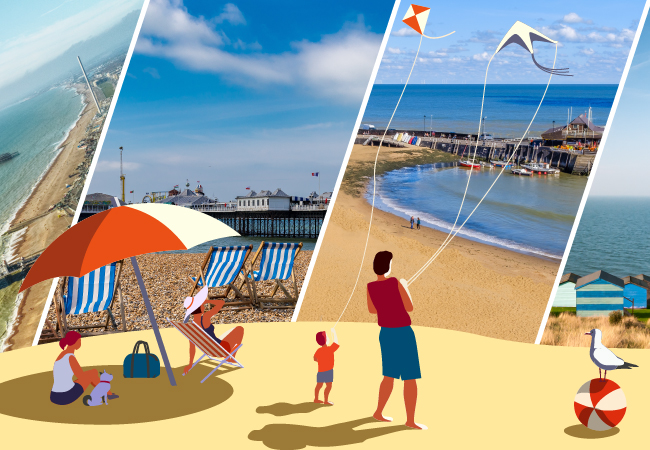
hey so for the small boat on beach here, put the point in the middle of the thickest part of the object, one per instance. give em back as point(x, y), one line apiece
point(468, 163)
point(7, 156)
point(500, 164)
point(522, 172)
point(541, 168)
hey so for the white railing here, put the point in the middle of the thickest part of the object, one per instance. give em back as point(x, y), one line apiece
point(214, 208)
point(322, 206)
point(94, 208)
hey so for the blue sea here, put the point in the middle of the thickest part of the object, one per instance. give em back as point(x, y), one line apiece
point(508, 108)
point(34, 128)
point(531, 215)
point(612, 236)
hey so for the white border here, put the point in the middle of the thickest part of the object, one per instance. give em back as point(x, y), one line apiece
point(344, 166)
point(91, 171)
point(601, 149)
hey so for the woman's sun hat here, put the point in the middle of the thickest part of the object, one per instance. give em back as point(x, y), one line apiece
point(192, 303)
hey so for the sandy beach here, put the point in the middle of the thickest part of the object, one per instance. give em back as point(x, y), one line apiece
point(465, 399)
point(471, 287)
point(41, 232)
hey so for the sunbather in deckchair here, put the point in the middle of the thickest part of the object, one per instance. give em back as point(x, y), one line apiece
point(229, 342)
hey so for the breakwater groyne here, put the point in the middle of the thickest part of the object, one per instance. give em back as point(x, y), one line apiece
point(576, 162)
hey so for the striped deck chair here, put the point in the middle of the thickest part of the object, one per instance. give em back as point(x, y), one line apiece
point(207, 345)
point(276, 264)
point(222, 267)
point(94, 292)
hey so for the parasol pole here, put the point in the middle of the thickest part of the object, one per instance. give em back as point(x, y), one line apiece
point(152, 317)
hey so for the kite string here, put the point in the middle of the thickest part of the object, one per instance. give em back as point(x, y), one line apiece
point(374, 184)
point(469, 176)
point(415, 277)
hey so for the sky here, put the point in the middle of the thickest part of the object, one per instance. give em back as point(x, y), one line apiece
point(236, 95)
point(595, 38)
point(623, 167)
point(41, 30)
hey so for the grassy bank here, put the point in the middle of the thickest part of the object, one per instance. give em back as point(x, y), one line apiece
point(8, 293)
point(358, 172)
point(107, 88)
point(566, 329)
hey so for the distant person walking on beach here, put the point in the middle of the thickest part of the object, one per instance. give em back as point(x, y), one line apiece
point(418, 223)
point(391, 301)
point(66, 390)
point(324, 356)
point(412, 221)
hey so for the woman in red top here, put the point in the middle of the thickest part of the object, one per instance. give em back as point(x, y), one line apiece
point(391, 301)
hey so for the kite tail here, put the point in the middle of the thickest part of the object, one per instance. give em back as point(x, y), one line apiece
point(559, 72)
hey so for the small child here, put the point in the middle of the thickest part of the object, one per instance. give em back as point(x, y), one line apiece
point(325, 358)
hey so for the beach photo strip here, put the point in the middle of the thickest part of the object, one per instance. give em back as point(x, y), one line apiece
point(602, 282)
point(61, 77)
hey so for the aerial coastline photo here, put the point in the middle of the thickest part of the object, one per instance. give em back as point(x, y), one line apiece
point(52, 124)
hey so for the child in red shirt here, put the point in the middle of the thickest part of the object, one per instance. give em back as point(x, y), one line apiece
point(325, 358)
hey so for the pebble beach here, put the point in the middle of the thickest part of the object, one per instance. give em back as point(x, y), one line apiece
point(166, 279)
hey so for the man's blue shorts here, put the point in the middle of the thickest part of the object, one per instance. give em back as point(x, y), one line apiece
point(399, 353)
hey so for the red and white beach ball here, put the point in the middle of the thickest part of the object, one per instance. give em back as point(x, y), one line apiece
point(600, 405)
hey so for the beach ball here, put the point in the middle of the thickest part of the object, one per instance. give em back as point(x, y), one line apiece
point(600, 405)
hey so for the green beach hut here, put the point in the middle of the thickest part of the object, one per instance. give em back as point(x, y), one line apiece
point(598, 294)
point(565, 296)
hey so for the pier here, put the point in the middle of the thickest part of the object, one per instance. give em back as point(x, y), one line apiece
point(576, 162)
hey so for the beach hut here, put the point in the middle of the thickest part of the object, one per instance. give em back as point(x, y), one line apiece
point(565, 297)
point(599, 294)
point(636, 292)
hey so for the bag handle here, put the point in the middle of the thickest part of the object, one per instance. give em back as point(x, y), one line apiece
point(136, 349)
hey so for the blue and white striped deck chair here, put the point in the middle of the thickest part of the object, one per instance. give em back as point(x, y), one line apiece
point(221, 268)
point(276, 264)
point(94, 292)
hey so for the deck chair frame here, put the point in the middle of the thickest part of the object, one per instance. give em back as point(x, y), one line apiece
point(261, 299)
point(219, 359)
point(59, 308)
point(246, 302)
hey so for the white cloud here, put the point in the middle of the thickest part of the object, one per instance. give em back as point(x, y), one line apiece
point(587, 51)
point(230, 14)
point(395, 51)
point(27, 53)
point(406, 31)
point(574, 18)
point(481, 56)
point(110, 166)
point(193, 43)
point(152, 71)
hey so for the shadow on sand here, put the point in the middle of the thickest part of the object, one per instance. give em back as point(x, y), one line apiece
point(282, 436)
point(582, 432)
point(141, 400)
point(286, 409)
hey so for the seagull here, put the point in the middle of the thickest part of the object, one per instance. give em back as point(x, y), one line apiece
point(603, 357)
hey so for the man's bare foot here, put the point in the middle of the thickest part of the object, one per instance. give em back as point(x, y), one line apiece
point(416, 426)
point(329, 403)
point(318, 401)
point(382, 418)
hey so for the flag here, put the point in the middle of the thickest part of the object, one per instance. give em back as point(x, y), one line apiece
point(248, 188)
point(175, 186)
point(314, 174)
point(130, 192)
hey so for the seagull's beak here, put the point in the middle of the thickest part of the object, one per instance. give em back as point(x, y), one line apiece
point(587, 334)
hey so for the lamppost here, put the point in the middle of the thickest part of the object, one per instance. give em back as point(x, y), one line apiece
point(424, 124)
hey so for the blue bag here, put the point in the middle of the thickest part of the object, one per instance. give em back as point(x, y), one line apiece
point(141, 365)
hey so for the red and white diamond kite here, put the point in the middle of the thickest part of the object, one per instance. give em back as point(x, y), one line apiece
point(416, 17)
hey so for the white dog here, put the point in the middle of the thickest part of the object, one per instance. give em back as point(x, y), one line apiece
point(99, 394)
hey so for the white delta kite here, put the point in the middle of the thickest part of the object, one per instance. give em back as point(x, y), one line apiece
point(603, 357)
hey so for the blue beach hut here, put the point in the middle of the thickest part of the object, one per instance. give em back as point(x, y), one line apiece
point(636, 292)
point(565, 296)
point(598, 294)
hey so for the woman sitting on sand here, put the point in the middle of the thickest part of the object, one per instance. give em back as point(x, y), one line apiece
point(391, 301)
point(194, 307)
point(66, 390)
